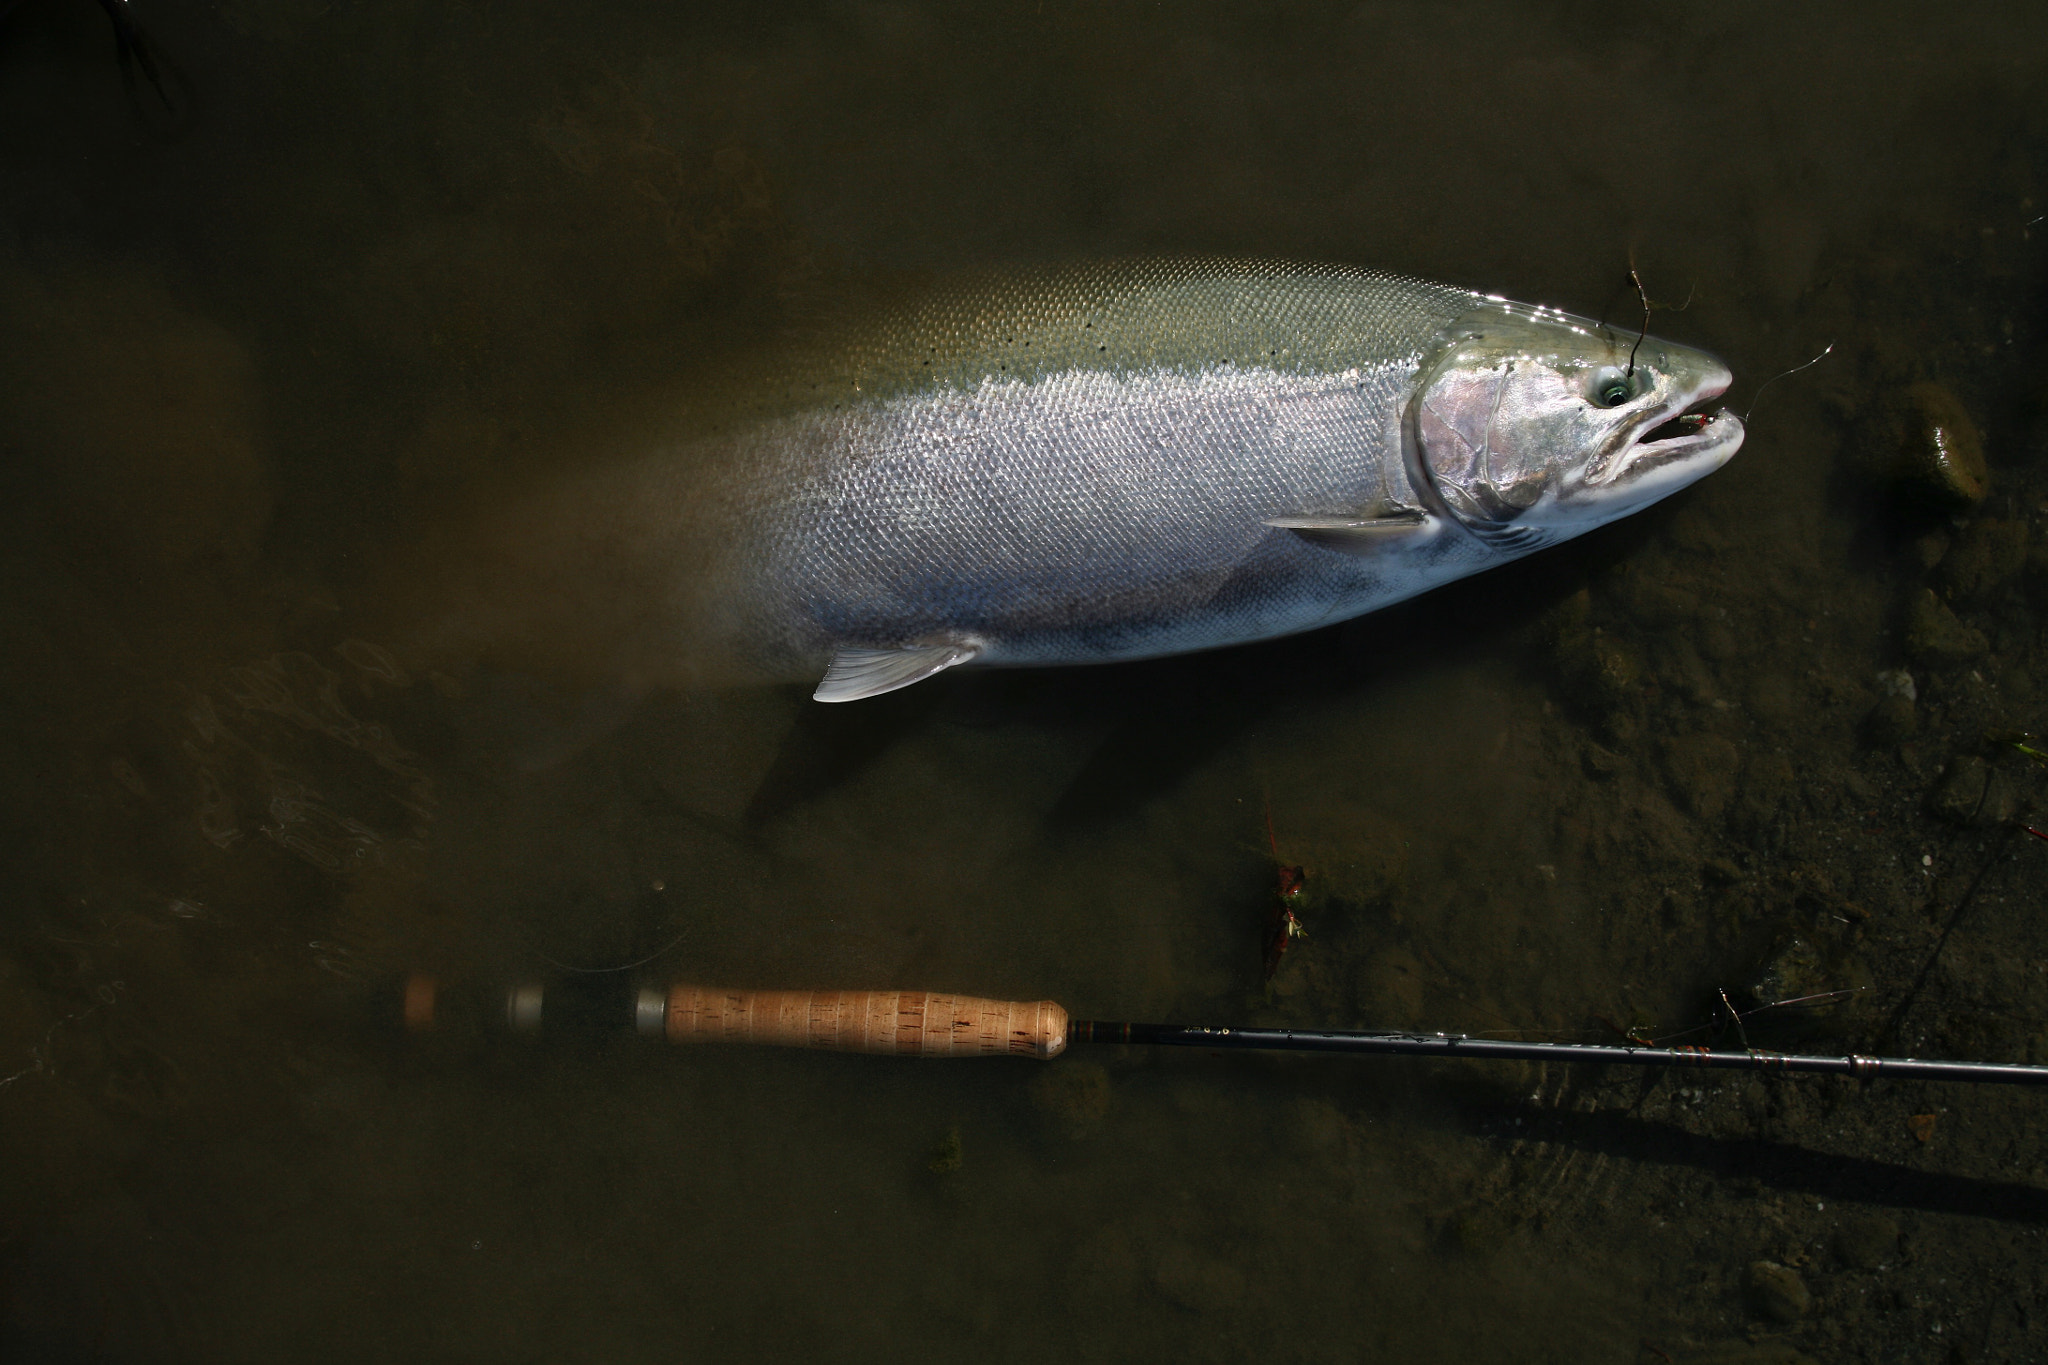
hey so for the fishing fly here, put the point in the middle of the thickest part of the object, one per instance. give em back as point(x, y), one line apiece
point(1283, 925)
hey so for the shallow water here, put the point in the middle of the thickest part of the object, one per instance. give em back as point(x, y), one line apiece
point(273, 352)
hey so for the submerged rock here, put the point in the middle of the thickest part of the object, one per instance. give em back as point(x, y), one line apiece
point(1703, 771)
point(1656, 604)
point(1866, 1241)
point(1822, 991)
point(1942, 459)
point(1928, 549)
point(1983, 559)
point(1770, 788)
point(1972, 792)
point(1794, 972)
point(1775, 1291)
point(1935, 636)
point(1614, 673)
point(1600, 676)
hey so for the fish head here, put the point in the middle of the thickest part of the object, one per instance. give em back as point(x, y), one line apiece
point(1532, 425)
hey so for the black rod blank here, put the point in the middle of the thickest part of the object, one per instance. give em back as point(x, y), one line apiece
point(1496, 1049)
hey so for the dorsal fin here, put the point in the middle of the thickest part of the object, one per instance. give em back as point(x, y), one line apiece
point(857, 673)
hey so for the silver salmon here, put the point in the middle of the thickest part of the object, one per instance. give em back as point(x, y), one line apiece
point(1100, 463)
point(1146, 458)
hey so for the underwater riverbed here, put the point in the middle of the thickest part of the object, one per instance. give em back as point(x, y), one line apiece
point(284, 314)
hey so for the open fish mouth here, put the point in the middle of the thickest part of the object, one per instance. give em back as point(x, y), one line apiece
point(1670, 452)
point(1685, 424)
point(1688, 434)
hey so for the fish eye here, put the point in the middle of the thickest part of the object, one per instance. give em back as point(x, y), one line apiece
point(1612, 391)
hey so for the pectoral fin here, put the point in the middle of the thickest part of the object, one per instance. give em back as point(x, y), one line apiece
point(1357, 535)
point(858, 673)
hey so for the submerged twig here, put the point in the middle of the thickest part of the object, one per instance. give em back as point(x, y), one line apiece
point(1898, 1015)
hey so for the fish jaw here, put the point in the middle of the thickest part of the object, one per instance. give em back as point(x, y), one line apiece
point(1648, 466)
point(1662, 467)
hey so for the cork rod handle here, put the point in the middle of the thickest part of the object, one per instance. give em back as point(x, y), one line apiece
point(904, 1023)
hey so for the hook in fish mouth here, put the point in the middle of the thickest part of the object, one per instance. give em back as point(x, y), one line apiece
point(1692, 416)
point(1685, 424)
point(1694, 431)
point(1689, 435)
point(1662, 451)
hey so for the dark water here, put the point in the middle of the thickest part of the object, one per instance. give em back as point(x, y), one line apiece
point(377, 265)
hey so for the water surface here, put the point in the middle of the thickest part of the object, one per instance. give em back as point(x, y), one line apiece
point(278, 344)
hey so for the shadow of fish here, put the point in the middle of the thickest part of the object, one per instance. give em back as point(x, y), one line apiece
point(1138, 459)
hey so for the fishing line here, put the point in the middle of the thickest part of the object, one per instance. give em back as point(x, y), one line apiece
point(1644, 295)
point(1734, 1017)
point(1636, 282)
point(605, 971)
point(1819, 1000)
point(1757, 397)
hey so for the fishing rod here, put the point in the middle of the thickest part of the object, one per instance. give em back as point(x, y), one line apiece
point(934, 1024)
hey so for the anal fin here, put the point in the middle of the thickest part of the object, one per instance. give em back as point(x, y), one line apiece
point(857, 673)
